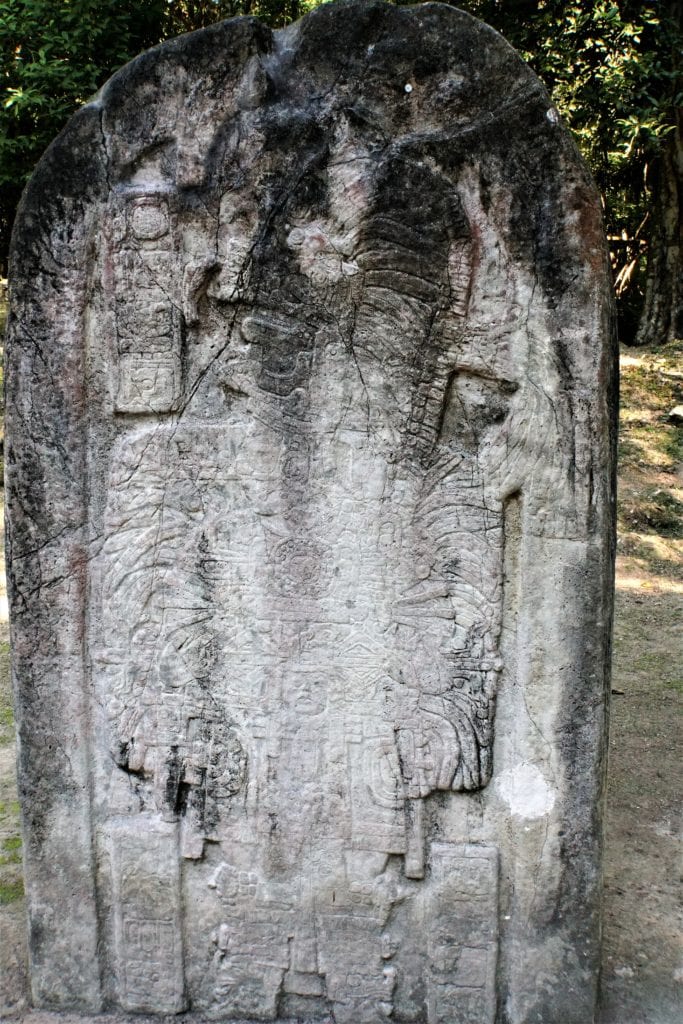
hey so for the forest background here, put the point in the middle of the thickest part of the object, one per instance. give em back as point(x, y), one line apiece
point(612, 68)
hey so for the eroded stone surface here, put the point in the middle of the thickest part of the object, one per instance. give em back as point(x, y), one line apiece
point(309, 470)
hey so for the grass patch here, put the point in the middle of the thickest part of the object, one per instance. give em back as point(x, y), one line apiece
point(12, 891)
point(6, 710)
point(650, 381)
point(652, 661)
point(656, 510)
point(6, 720)
point(654, 445)
point(650, 501)
point(10, 810)
point(673, 447)
point(645, 553)
point(3, 323)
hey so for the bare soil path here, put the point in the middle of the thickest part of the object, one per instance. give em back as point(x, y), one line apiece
point(643, 934)
point(643, 931)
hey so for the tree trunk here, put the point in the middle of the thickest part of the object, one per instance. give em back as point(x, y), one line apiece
point(662, 316)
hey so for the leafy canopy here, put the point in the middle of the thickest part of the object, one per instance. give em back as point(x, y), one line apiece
point(612, 68)
point(54, 54)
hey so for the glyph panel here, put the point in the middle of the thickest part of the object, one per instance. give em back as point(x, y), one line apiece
point(147, 926)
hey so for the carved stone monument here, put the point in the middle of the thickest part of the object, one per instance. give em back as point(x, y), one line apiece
point(309, 469)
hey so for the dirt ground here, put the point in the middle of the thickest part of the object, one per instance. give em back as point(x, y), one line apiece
point(643, 932)
point(643, 929)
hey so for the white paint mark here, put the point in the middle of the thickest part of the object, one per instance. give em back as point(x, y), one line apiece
point(525, 791)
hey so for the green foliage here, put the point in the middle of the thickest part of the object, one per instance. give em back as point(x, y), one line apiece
point(6, 713)
point(187, 15)
point(611, 67)
point(612, 73)
point(11, 891)
point(11, 851)
point(6, 723)
point(54, 54)
point(649, 506)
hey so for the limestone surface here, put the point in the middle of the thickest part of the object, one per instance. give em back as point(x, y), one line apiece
point(310, 388)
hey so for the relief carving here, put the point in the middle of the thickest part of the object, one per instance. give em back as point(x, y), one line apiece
point(301, 576)
point(141, 281)
point(382, 544)
point(308, 459)
point(147, 917)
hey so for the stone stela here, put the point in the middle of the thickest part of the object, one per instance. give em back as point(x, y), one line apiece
point(310, 448)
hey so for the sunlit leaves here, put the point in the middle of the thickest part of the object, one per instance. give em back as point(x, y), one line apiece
point(612, 68)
